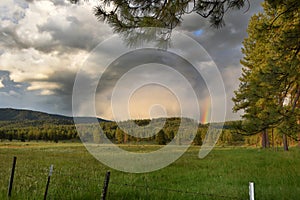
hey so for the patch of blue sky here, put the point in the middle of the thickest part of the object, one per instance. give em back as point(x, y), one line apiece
point(198, 32)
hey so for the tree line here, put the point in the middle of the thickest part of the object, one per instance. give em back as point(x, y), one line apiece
point(47, 132)
point(96, 133)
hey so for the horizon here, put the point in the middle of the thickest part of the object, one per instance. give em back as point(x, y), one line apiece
point(169, 117)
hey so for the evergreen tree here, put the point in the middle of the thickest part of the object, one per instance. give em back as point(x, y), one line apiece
point(270, 86)
point(131, 18)
point(198, 138)
point(160, 138)
point(119, 136)
point(164, 13)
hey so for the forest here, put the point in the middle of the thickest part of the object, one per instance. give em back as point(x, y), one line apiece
point(43, 130)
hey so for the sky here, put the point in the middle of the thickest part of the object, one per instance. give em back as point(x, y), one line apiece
point(44, 44)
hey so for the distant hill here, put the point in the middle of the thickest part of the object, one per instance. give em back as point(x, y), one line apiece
point(19, 115)
point(28, 125)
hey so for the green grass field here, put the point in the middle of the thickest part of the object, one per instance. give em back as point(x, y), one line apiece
point(223, 174)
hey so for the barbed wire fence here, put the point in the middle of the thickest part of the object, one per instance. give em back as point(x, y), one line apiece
point(103, 184)
point(193, 193)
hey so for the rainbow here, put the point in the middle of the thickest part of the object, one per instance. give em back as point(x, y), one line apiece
point(205, 115)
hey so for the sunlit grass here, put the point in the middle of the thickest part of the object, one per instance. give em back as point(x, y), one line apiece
point(223, 174)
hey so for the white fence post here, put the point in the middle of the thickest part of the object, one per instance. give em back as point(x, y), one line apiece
point(251, 190)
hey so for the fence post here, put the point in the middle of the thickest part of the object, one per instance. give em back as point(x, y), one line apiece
point(105, 185)
point(48, 181)
point(11, 180)
point(251, 190)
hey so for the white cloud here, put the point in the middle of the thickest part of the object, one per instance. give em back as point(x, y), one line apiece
point(44, 86)
point(11, 12)
point(1, 84)
point(47, 37)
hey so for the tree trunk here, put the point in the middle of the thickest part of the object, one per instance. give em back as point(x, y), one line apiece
point(298, 122)
point(264, 139)
point(273, 138)
point(125, 138)
point(267, 139)
point(285, 143)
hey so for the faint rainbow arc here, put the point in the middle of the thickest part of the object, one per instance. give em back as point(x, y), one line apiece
point(205, 116)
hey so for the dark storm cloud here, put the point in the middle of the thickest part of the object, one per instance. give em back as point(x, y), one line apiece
point(66, 80)
point(61, 98)
point(74, 35)
point(16, 94)
point(139, 57)
point(55, 2)
point(223, 44)
point(60, 101)
point(60, 2)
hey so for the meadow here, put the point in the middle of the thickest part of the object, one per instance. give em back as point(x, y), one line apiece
point(223, 174)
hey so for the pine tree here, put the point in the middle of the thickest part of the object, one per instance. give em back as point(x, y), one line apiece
point(119, 136)
point(198, 138)
point(160, 138)
point(270, 86)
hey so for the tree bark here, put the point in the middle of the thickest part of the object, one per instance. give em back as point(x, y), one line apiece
point(298, 122)
point(273, 138)
point(285, 143)
point(267, 139)
point(264, 139)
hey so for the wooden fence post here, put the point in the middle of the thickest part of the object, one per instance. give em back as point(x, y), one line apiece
point(11, 180)
point(251, 190)
point(48, 181)
point(105, 185)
